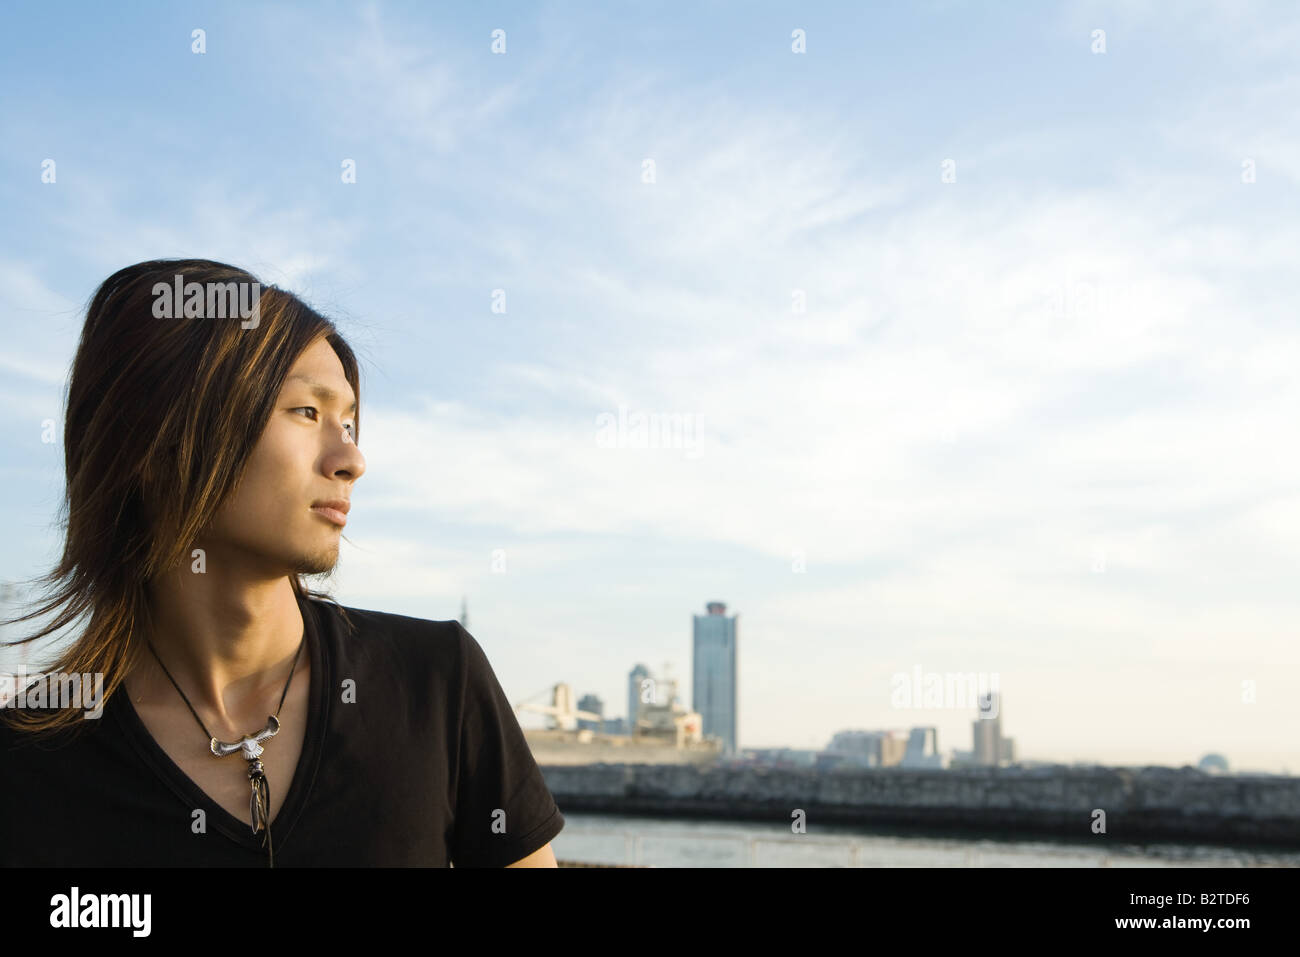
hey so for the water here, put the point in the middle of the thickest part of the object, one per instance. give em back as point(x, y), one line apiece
point(665, 842)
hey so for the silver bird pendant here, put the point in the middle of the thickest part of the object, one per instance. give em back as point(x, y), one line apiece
point(250, 744)
point(259, 801)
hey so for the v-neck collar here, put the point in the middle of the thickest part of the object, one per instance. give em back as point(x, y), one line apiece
point(303, 777)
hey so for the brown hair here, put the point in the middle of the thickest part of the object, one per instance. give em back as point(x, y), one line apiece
point(162, 415)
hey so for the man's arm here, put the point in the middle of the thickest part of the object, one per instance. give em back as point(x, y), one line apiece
point(542, 857)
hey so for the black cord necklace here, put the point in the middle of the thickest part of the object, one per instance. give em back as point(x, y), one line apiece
point(251, 748)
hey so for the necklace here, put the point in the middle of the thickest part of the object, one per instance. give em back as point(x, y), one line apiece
point(250, 746)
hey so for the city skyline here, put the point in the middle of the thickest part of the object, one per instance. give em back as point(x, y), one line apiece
point(968, 682)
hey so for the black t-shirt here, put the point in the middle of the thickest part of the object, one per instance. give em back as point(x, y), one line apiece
point(426, 765)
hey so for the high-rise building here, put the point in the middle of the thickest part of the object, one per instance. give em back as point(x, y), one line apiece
point(985, 733)
point(990, 747)
point(923, 749)
point(715, 675)
point(634, 679)
point(589, 702)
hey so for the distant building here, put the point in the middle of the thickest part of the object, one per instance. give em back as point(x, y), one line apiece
point(991, 749)
point(714, 693)
point(866, 749)
point(985, 732)
point(589, 702)
point(779, 757)
point(1213, 764)
point(616, 726)
point(634, 679)
point(923, 749)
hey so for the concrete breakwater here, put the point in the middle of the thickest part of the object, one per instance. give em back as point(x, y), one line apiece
point(1138, 804)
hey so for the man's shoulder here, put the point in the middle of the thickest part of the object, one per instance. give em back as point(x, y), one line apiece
point(409, 637)
point(17, 732)
point(387, 622)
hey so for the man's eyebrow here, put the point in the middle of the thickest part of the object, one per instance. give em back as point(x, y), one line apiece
point(322, 391)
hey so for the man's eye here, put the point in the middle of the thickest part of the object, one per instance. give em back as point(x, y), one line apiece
point(350, 426)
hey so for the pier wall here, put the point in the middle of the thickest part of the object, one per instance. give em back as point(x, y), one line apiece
point(1144, 804)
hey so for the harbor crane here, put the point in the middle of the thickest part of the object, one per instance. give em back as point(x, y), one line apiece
point(561, 711)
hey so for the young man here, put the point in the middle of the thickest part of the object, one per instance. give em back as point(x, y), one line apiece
point(243, 722)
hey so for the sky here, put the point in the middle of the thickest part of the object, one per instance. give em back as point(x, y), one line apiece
point(977, 329)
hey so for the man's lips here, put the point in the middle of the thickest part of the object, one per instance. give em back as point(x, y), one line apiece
point(335, 510)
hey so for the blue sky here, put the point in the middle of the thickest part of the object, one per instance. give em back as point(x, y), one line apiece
point(1036, 421)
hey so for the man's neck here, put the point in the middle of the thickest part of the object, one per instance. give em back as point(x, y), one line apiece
point(229, 645)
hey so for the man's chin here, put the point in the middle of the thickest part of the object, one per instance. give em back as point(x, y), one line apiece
point(322, 564)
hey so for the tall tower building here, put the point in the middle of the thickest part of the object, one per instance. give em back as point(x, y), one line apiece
point(634, 679)
point(990, 747)
point(589, 702)
point(714, 674)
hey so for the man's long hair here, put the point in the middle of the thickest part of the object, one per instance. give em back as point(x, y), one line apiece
point(163, 412)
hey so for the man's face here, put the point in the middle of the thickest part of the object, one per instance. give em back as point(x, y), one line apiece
point(305, 456)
